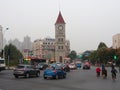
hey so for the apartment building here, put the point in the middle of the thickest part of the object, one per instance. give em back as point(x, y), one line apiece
point(116, 41)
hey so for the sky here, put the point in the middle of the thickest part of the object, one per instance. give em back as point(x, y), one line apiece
point(88, 22)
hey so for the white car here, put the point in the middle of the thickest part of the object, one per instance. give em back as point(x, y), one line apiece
point(72, 66)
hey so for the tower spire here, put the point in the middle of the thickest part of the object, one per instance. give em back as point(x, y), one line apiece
point(60, 19)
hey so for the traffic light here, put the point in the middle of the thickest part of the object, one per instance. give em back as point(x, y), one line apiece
point(115, 57)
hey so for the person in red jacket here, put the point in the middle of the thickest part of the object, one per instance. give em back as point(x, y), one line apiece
point(98, 70)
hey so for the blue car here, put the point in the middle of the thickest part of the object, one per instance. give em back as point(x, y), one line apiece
point(78, 65)
point(54, 73)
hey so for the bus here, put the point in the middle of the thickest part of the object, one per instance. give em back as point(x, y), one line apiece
point(2, 64)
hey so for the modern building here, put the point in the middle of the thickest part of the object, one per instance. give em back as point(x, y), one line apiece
point(44, 48)
point(37, 48)
point(16, 43)
point(1, 38)
point(116, 41)
point(25, 47)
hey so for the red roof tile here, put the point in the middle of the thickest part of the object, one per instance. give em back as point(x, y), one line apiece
point(60, 19)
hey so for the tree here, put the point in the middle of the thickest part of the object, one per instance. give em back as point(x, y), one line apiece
point(72, 55)
point(94, 57)
point(101, 45)
point(13, 53)
point(101, 52)
point(86, 55)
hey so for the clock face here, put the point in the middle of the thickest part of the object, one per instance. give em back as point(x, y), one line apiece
point(60, 27)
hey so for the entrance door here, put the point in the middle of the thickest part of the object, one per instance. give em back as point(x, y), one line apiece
point(60, 59)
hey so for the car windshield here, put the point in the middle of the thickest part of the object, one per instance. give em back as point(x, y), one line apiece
point(20, 66)
point(72, 64)
point(57, 67)
point(1, 61)
point(52, 68)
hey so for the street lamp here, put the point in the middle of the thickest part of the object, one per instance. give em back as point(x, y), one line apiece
point(3, 33)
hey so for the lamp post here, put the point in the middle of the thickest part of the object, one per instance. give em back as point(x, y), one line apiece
point(3, 42)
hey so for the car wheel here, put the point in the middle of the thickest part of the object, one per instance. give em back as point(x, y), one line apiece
point(57, 77)
point(45, 77)
point(64, 76)
point(27, 75)
point(38, 74)
point(61, 77)
point(16, 76)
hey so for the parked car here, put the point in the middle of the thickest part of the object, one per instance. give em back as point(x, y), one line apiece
point(42, 66)
point(72, 66)
point(54, 72)
point(63, 66)
point(26, 71)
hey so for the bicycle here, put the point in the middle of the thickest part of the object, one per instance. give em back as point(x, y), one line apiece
point(104, 76)
point(113, 77)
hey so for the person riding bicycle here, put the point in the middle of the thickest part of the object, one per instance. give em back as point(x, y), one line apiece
point(102, 66)
point(104, 72)
point(113, 72)
point(98, 70)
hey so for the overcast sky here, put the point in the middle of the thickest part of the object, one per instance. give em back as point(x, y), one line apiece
point(88, 22)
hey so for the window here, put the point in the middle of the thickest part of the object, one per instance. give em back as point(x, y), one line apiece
point(60, 47)
point(60, 39)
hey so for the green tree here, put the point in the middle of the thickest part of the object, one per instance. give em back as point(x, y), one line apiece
point(102, 45)
point(13, 53)
point(72, 55)
point(86, 55)
point(101, 52)
point(93, 56)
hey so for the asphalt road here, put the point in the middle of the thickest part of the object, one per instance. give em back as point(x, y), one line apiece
point(76, 80)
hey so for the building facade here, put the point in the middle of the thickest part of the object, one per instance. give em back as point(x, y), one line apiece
point(43, 48)
point(1, 38)
point(37, 48)
point(55, 50)
point(116, 41)
point(60, 39)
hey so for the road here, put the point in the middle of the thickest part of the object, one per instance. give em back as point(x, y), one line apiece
point(76, 80)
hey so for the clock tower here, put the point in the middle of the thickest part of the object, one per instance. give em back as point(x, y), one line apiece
point(60, 39)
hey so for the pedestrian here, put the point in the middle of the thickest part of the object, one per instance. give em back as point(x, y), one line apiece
point(104, 73)
point(103, 66)
point(98, 70)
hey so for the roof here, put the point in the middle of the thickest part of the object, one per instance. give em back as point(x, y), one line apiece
point(60, 19)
